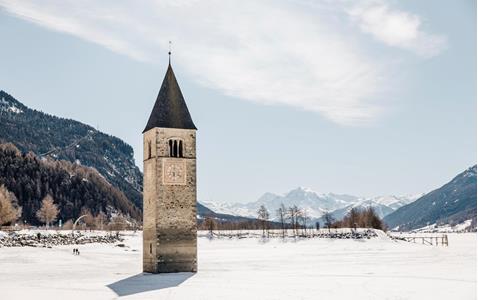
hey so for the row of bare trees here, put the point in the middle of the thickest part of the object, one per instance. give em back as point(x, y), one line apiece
point(211, 223)
point(292, 217)
point(356, 218)
point(286, 218)
point(297, 219)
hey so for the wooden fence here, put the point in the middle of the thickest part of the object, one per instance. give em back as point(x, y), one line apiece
point(425, 240)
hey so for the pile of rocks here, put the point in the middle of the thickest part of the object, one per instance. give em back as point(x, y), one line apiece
point(55, 239)
point(367, 234)
point(333, 234)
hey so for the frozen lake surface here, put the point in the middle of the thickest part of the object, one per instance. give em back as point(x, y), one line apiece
point(249, 269)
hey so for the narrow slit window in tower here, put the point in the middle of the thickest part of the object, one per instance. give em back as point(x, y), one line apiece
point(180, 148)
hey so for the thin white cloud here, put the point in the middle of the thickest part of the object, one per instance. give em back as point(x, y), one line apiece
point(396, 28)
point(270, 52)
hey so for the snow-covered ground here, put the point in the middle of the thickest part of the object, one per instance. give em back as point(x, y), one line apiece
point(249, 269)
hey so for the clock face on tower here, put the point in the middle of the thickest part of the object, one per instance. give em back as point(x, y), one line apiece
point(174, 172)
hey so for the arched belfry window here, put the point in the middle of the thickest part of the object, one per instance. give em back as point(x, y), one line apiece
point(175, 148)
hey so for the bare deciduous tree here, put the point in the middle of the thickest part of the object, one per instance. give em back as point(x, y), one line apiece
point(281, 215)
point(48, 211)
point(88, 218)
point(100, 220)
point(352, 218)
point(9, 211)
point(118, 223)
point(373, 220)
point(329, 220)
point(305, 218)
point(293, 215)
point(290, 216)
point(263, 216)
point(68, 225)
point(210, 224)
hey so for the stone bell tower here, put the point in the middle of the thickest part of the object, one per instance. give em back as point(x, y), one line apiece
point(169, 194)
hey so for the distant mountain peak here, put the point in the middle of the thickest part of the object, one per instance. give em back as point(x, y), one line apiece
point(300, 191)
point(305, 189)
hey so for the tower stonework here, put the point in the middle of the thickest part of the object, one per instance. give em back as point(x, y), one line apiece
point(169, 193)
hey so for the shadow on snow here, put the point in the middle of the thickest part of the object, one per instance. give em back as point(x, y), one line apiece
point(145, 282)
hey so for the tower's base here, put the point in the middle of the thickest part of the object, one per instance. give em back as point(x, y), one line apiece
point(171, 253)
point(171, 267)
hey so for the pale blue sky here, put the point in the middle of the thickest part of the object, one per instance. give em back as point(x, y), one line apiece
point(365, 97)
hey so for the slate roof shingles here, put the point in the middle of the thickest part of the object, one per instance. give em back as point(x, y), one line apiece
point(170, 109)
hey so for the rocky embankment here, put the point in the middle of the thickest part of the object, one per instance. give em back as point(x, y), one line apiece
point(332, 234)
point(54, 239)
point(349, 235)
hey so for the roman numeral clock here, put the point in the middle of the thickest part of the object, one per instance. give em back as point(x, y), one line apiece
point(174, 172)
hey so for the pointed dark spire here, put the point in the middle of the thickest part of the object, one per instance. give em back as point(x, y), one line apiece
point(170, 110)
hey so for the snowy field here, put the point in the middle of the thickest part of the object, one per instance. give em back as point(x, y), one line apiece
point(249, 268)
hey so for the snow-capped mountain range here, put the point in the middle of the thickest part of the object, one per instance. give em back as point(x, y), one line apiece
point(314, 203)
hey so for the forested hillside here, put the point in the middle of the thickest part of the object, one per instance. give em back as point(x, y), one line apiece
point(72, 186)
point(65, 139)
point(452, 203)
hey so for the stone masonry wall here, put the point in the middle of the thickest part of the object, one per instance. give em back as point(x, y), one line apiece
point(174, 238)
point(150, 190)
